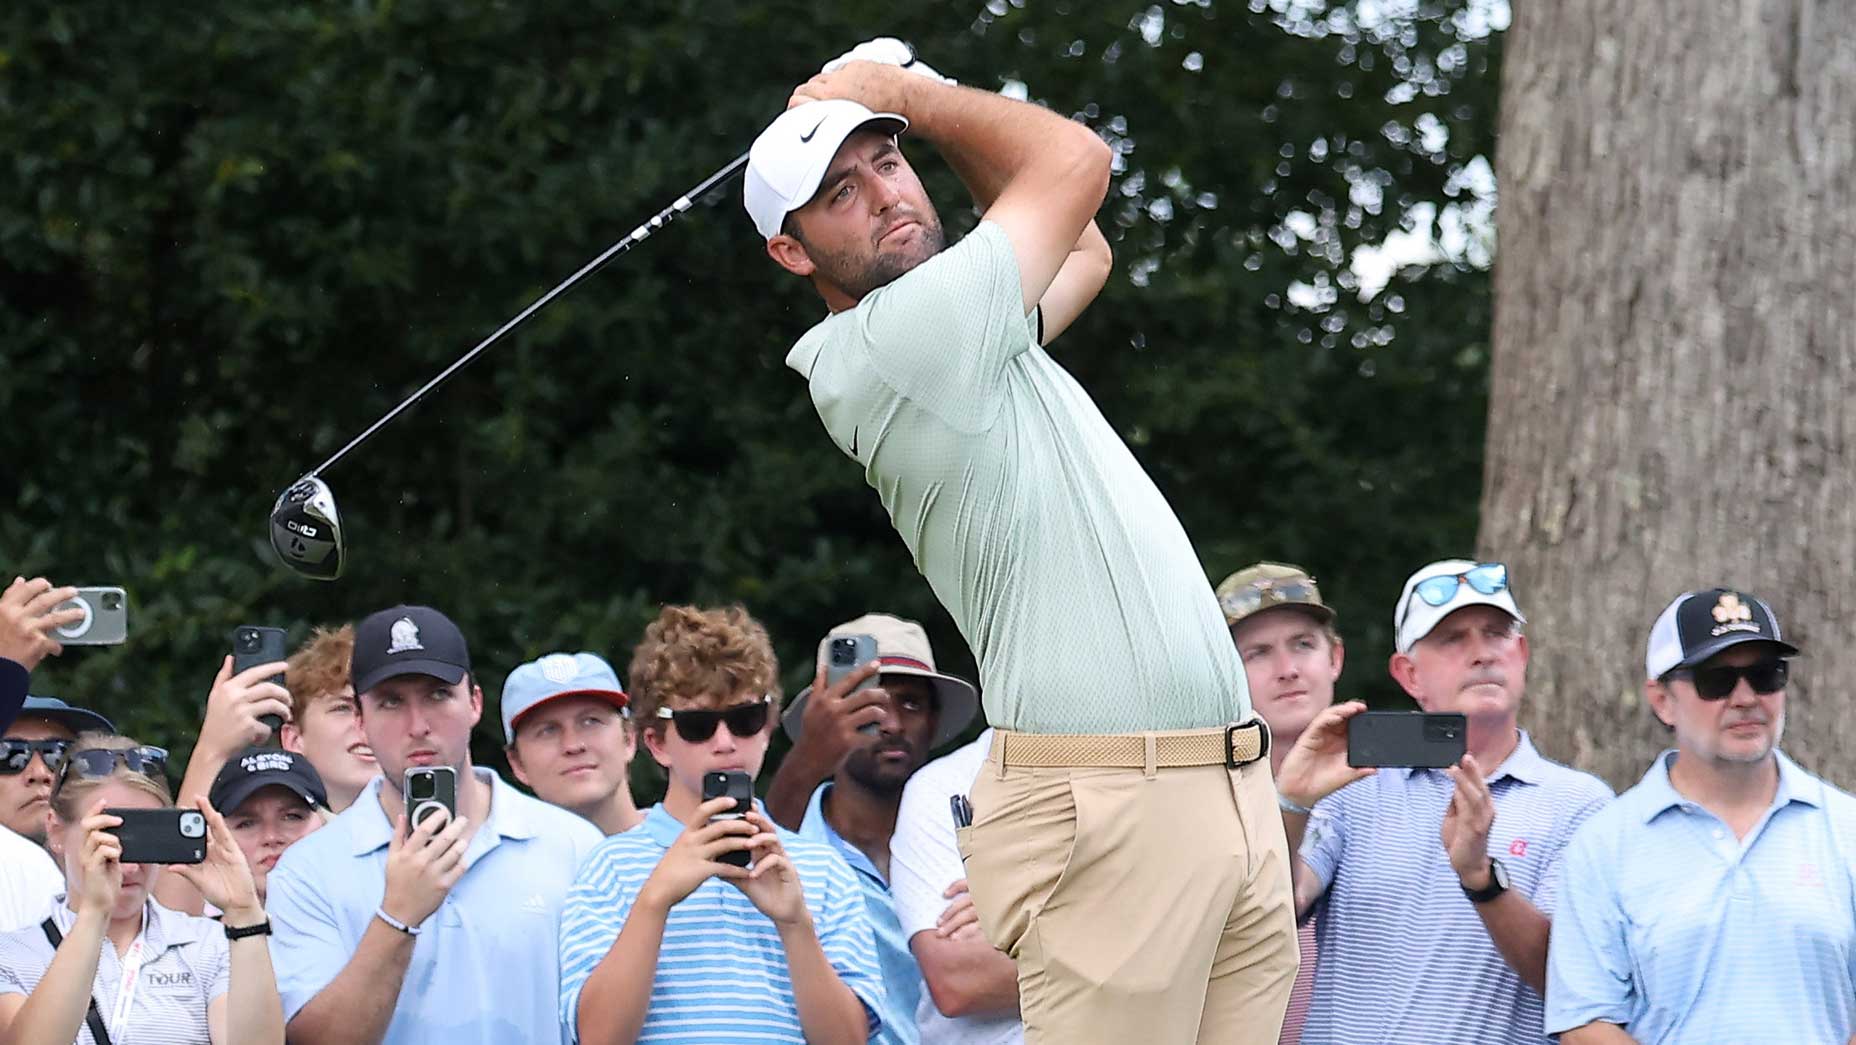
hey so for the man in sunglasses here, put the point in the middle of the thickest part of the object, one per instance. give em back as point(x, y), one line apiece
point(443, 931)
point(1434, 882)
point(30, 755)
point(1713, 901)
point(696, 922)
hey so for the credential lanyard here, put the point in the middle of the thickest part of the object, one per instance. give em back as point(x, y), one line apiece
point(125, 991)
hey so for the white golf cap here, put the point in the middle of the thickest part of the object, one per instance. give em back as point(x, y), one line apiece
point(790, 157)
point(1415, 616)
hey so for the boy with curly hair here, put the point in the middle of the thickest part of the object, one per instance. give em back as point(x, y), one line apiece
point(661, 937)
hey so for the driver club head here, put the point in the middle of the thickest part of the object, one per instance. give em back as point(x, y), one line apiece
point(306, 531)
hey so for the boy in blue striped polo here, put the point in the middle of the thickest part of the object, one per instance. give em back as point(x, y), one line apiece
point(665, 941)
point(1714, 901)
point(1436, 887)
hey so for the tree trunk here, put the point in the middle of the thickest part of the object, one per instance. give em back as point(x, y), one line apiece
point(1675, 351)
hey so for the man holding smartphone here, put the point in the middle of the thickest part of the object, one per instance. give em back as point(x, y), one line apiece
point(1713, 901)
point(1427, 896)
point(874, 739)
point(29, 615)
point(664, 940)
point(443, 932)
point(1104, 662)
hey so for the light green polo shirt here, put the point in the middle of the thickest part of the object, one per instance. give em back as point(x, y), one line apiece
point(1056, 555)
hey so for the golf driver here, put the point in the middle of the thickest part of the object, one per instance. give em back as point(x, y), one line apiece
point(306, 529)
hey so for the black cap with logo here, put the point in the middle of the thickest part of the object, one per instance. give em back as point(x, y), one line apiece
point(1699, 624)
point(254, 768)
point(408, 640)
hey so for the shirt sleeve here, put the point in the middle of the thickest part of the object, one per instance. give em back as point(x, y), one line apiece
point(1588, 957)
point(1546, 895)
point(849, 945)
point(1324, 841)
point(924, 857)
point(591, 918)
point(941, 334)
point(307, 948)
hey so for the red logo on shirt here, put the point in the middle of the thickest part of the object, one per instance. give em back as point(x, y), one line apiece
point(1518, 847)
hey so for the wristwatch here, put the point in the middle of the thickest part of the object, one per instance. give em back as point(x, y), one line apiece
point(1498, 884)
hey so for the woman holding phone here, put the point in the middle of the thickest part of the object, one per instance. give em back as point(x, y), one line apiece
point(109, 964)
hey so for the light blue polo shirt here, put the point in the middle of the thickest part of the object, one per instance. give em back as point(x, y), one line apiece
point(902, 977)
point(484, 969)
point(1674, 929)
point(1404, 957)
point(722, 976)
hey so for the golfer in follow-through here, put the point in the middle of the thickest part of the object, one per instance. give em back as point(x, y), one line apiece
point(1126, 849)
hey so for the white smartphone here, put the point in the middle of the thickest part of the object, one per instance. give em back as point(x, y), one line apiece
point(105, 621)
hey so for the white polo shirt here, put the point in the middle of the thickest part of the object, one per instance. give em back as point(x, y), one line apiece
point(182, 965)
point(28, 881)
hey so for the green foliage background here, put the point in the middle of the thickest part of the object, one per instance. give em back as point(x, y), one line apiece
point(232, 234)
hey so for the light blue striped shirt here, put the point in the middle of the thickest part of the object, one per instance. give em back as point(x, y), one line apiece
point(721, 971)
point(1405, 958)
point(1674, 929)
point(902, 977)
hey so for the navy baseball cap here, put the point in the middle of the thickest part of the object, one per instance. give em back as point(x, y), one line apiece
point(77, 720)
point(256, 768)
point(555, 676)
point(1699, 624)
point(408, 640)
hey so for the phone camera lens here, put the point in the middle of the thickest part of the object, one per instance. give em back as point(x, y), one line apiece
point(112, 601)
point(192, 825)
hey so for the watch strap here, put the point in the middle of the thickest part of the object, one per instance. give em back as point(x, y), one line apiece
point(263, 928)
point(1495, 888)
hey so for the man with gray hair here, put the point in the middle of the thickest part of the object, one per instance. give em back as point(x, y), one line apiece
point(1427, 896)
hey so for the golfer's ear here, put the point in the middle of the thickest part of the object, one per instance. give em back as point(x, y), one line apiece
point(790, 254)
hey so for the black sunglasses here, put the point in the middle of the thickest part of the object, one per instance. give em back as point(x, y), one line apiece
point(696, 726)
point(1717, 683)
point(94, 762)
point(16, 755)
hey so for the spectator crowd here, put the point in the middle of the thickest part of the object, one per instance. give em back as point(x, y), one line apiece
point(1508, 898)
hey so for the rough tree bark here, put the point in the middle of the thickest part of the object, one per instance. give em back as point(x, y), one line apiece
point(1675, 351)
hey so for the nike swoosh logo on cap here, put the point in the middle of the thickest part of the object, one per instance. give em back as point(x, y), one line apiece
point(807, 137)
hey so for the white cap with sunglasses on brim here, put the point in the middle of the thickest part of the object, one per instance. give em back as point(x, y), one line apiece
point(1700, 624)
point(1442, 588)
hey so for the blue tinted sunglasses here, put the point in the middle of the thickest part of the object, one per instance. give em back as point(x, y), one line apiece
point(1486, 578)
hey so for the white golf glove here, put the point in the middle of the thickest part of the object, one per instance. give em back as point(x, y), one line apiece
point(889, 51)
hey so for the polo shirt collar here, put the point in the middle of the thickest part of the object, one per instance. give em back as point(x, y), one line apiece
point(664, 829)
point(819, 829)
point(1524, 763)
point(372, 830)
point(161, 927)
point(1660, 795)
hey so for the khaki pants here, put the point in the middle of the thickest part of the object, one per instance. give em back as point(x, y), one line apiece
point(1147, 906)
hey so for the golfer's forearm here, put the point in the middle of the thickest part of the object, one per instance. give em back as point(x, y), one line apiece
point(357, 1006)
point(991, 141)
point(616, 997)
point(254, 1013)
point(55, 1009)
point(829, 1012)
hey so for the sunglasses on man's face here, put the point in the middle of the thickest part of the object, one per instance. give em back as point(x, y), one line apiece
point(94, 763)
point(1718, 683)
point(16, 755)
point(697, 725)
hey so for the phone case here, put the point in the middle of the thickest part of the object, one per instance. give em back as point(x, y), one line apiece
point(1406, 738)
point(252, 646)
point(427, 789)
point(106, 618)
point(739, 786)
point(161, 836)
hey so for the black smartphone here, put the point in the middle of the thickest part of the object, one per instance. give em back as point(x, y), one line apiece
point(1426, 740)
point(161, 836)
point(735, 784)
point(252, 646)
point(427, 789)
point(846, 654)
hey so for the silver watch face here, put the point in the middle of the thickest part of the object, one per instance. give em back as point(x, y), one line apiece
point(1499, 873)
